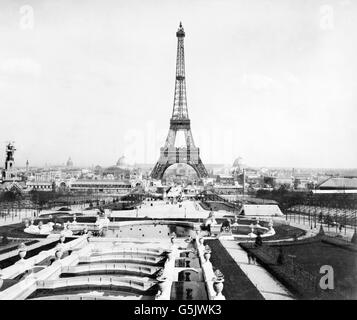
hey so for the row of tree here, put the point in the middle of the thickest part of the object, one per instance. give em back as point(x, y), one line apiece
point(287, 198)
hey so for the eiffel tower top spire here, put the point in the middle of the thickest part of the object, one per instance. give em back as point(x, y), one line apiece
point(180, 32)
point(180, 102)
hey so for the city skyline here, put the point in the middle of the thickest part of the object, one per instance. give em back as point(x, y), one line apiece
point(94, 82)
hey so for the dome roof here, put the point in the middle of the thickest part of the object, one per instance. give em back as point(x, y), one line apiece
point(122, 162)
point(69, 162)
point(237, 162)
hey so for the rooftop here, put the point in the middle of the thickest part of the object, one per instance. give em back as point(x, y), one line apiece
point(261, 210)
point(339, 183)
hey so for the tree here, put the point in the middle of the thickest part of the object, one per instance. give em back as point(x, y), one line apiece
point(9, 196)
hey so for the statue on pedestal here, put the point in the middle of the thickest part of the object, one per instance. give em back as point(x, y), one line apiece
point(218, 285)
point(22, 251)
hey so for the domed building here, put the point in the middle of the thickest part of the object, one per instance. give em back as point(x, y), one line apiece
point(237, 166)
point(237, 162)
point(122, 163)
point(121, 170)
point(116, 172)
point(98, 169)
point(69, 162)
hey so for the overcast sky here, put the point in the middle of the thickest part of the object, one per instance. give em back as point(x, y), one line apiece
point(274, 82)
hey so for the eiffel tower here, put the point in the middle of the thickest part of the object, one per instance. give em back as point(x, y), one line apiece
point(169, 154)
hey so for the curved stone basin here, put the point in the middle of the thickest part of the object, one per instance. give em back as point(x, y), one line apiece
point(149, 229)
point(121, 258)
point(128, 251)
point(138, 283)
point(91, 295)
point(94, 287)
point(126, 268)
point(109, 268)
point(242, 230)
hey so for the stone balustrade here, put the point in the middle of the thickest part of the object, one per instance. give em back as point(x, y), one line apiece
point(26, 287)
point(128, 250)
point(169, 273)
point(141, 284)
point(109, 268)
point(214, 287)
point(36, 245)
point(25, 264)
point(120, 257)
point(77, 296)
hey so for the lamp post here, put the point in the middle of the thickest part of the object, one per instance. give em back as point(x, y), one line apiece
point(315, 220)
point(243, 184)
point(328, 220)
point(292, 257)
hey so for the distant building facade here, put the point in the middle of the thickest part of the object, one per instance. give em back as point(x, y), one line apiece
point(101, 186)
point(337, 185)
point(9, 173)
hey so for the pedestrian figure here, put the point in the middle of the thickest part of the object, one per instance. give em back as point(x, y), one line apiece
point(249, 255)
point(254, 259)
point(258, 240)
point(280, 259)
point(209, 230)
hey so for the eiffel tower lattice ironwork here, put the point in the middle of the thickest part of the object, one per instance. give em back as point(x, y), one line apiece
point(179, 121)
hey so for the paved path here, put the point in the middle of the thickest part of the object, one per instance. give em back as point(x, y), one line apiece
point(13, 218)
point(237, 286)
point(331, 231)
point(270, 288)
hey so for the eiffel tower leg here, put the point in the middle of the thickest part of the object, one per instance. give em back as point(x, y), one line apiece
point(159, 170)
point(171, 137)
point(189, 138)
point(200, 169)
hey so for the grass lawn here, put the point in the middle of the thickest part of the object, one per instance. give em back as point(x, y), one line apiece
point(215, 206)
point(343, 261)
point(284, 231)
point(309, 256)
point(17, 231)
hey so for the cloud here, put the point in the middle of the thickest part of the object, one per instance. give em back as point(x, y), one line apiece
point(20, 66)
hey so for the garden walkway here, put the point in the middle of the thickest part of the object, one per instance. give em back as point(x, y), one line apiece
point(269, 288)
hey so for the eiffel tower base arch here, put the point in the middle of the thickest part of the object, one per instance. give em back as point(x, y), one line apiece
point(160, 168)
